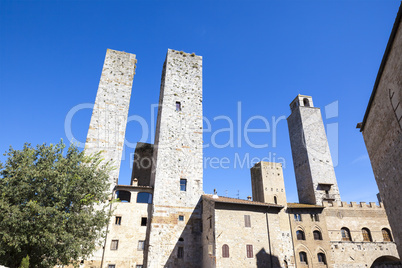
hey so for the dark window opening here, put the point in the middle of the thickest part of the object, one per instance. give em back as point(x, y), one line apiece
point(118, 220)
point(181, 218)
point(225, 251)
point(275, 200)
point(300, 235)
point(180, 253)
point(124, 196)
point(183, 185)
point(303, 257)
point(314, 217)
point(306, 102)
point(247, 221)
point(178, 106)
point(321, 258)
point(298, 217)
point(386, 235)
point(317, 235)
point(114, 245)
point(139, 266)
point(144, 198)
point(141, 244)
point(144, 221)
point(181, 239)
point(249, 251)
point(111, 266)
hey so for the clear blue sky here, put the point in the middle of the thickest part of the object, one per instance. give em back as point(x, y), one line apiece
point(259, 53)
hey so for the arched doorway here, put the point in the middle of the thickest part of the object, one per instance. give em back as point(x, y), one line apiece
point(386, 262)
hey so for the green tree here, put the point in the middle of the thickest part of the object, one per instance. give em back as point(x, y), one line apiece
point(53, 206)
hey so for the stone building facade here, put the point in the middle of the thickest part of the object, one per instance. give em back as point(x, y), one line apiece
point(382, 129)
point(164, 219)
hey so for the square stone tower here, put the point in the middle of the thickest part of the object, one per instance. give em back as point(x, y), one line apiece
point(109, 117)
point(315, 175)
point(175, 232)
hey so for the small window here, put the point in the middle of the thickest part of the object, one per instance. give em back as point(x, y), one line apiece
point(225, 251)
point(249, 251)
point(144, 221)
point(275, 200)
point(143, 197)
point(178, 106)
point(345, 234)
point(181, 218)
point(124, 196)
point(111, 266)
point(117, 220)
point(183, 185)
point(139, 266)
point(180, 253)
point(303, 257)
point(314, 217)
point(366, 235)
point(181, 239)
point(247, 221)
point(300, 235)
point(317, 235)
point(321, 258)
point(297, 217)
point(114, 245)
point(386, 235)
point(141, 245)
point(306, 102)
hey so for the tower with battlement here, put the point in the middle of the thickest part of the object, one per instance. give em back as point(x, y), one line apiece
point(174, 234)
point(109, 117)
point(315, 175)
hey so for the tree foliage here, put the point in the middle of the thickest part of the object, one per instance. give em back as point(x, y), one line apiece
point(53, 205)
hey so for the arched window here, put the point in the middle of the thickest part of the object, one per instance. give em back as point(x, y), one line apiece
point(124, 196)
point(345, 234)
point(225, 251)
point(366, 235)
point(321, 258)
point(144, 198)
point(386, 235)
point(181, 239)
point(300, 235)
point(303, 257)
point(306, 102)
point(275, 200)
point(317, 235)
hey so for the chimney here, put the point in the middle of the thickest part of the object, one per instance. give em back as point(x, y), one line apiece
point(249, 198)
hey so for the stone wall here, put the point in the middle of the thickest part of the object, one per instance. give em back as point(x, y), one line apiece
point(178, 158)
point(109, 117)
point(382, 131)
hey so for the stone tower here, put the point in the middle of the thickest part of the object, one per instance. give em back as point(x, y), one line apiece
point(174, 236)
point(315, 175)
point(109, 117)
point(268, 186)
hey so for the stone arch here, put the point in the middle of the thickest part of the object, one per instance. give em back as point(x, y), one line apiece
point(306, 102)
point(303, 248)
point(386, 261)
point(124, 196)
point(322, 251)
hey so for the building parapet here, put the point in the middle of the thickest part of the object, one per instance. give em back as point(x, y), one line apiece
point(343, 204)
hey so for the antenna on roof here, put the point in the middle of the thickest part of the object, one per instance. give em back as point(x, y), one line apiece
point(238, 194)
point(226, 193)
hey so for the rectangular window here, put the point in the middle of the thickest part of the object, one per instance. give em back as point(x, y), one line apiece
point(183, 185)
point(118, 220)
point(141, 245)
point(181, 218)
point(139, 266)
point(247, 222)
point(111, 266)
point(178, 106)
point(144, 221)
point(249, 251)
point(298, 217)
point(114, 245)
point(314, 217)
point(180, 253)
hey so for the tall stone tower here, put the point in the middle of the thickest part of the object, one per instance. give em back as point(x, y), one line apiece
point(109, 117)
point(315, 175)
point(174, 236)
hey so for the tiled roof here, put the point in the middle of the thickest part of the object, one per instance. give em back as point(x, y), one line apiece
point(298, 205)
point(222, 199)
